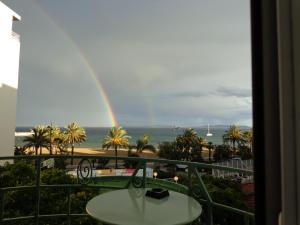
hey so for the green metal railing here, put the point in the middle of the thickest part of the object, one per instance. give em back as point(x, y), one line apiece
point(195, 187)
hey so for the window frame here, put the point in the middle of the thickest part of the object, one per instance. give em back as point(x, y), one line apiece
point(266, 117)
point(275, 31)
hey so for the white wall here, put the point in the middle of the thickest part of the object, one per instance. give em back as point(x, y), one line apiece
point(9, 69)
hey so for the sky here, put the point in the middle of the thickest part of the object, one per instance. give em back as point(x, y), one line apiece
point(156, 63)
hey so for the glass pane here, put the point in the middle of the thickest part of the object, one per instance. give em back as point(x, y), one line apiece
point(165, 83)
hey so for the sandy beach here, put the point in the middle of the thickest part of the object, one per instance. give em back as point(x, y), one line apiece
point(110, 152)
point(100, 152)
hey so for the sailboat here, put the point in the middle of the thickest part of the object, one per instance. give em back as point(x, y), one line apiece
point(208, 133)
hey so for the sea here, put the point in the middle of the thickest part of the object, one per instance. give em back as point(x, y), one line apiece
point(95, 135)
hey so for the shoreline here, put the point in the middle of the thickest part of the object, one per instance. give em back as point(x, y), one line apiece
point(97, 151)
point(107, 152)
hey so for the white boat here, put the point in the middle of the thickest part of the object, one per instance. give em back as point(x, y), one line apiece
point(208, 133)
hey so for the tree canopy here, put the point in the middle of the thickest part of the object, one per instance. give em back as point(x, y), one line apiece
point(117, 137)
point(37, 140)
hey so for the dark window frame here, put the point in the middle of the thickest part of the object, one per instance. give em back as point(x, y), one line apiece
point(266, 112)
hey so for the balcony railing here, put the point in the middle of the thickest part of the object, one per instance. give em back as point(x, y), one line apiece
point(86, 178)
point(15, 35)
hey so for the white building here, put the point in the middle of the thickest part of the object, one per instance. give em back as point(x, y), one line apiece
point(9, 70)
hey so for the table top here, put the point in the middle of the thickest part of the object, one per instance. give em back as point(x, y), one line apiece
point(132, 207)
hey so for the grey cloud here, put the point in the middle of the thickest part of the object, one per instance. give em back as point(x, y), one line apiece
point(188, 94)
point(234, 91)
point(221, 91)
point(157, 61)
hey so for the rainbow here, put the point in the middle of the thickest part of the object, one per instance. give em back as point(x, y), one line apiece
point(86, 63)
point(100, 87)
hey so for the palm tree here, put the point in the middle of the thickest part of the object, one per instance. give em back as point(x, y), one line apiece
point(210, 147)
point(37, 140)
point(233, 135)
point(74, 134)
point(248, 138)
point(189, 135)
point(143, 144)
point(116, 137)
point(196, 148)
point(61, 143)
point(53, 133)
point(19, 150)
point(186, 141)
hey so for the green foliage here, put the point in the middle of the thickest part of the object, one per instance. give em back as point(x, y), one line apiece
point(55, 200)
point(17, 174)
point(57, 139)
point(80, 197)
point(226, 192)
point(187, 146)
point(245, 152)
point(56, 176)
point(74, 134)
point(168, 150)
point(53, 138)
point(233, 136)
point(210, 147)
point(18, 202)
point(196, 150)
point(37, 140)
point(60, 163)
point(117, 137)
point(248, 137)
point(222, 152)
point(143, 144)
point(52, 200)
point(222, 183)
point(131, 163)
point(19, 150)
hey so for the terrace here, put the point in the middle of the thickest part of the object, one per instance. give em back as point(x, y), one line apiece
point(68, 211)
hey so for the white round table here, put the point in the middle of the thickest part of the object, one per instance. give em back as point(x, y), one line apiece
point(132, 207)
